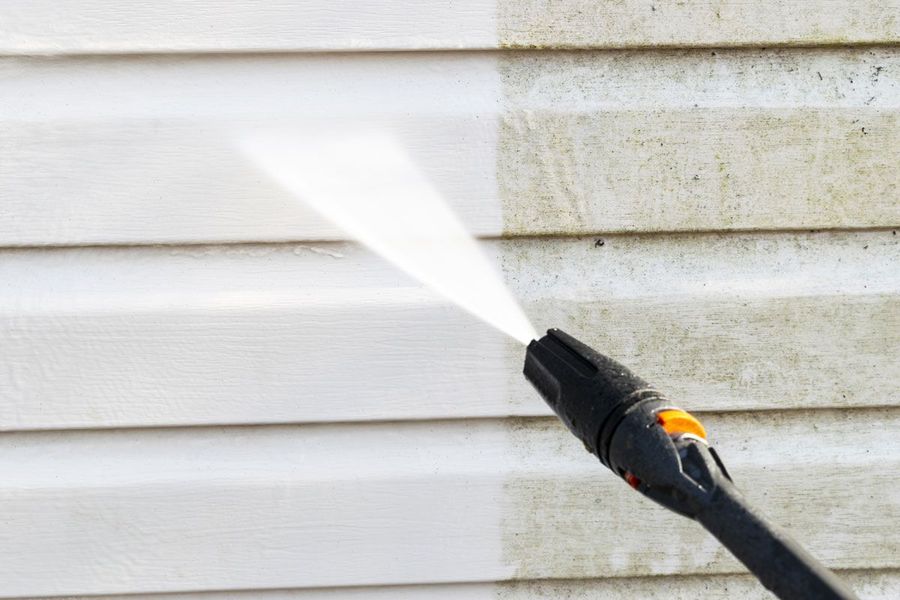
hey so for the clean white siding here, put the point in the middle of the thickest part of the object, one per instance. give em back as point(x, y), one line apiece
point(86, 26)
point(205, 392)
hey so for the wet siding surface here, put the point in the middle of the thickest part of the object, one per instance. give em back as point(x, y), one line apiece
point(207, 393)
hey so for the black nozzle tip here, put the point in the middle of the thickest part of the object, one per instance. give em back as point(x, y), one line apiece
point(553, 359)
point(582, 386)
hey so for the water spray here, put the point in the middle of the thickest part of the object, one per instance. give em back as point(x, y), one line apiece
point(368, 186)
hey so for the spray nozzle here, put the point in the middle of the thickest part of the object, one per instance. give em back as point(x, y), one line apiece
point(662, 452)
point(587, 390)
point(628, 425)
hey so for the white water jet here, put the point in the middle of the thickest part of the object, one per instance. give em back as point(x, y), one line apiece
point(367, 185)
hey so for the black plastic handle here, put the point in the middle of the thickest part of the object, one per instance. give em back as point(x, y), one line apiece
point(779, 563)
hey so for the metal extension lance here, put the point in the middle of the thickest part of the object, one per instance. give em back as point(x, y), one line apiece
point(662, 452)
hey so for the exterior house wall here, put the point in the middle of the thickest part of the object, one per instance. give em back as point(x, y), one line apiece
point(206, 392)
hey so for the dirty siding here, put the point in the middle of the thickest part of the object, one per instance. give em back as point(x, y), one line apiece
point(719, 139)
point(205, 392)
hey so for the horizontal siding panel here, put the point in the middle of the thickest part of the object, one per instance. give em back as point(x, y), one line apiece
point(117, 150)
point(103, 26)
point(344, 505)
point(587, 23)
point(869, 585)
point(301, 333)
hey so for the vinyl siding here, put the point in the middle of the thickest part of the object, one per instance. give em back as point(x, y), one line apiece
point(206, 393)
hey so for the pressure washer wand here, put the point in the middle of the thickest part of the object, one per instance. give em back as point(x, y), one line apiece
point(662, 452)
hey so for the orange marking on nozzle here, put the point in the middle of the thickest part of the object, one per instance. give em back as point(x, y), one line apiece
point(676, 421)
